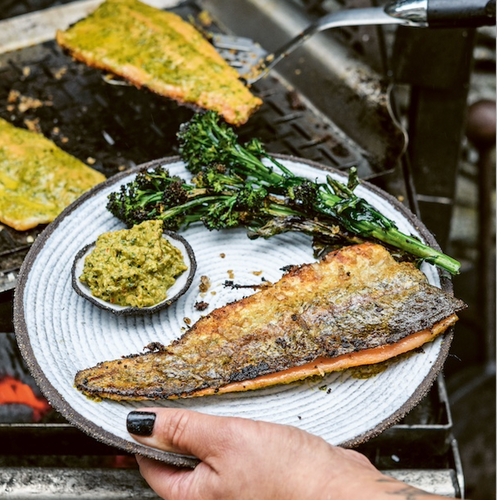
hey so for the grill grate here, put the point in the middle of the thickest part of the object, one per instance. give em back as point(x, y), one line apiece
point(113, 127)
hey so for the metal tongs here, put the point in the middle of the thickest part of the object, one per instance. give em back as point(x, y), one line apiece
point(253, 62)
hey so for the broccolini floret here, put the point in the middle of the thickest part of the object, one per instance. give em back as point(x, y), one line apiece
point(242, 185)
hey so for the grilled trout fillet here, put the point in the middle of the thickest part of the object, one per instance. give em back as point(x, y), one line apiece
point(158, 50)
point(37, 178)
point(358, 306)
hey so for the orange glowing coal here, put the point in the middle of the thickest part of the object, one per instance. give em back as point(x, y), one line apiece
point(13, 391)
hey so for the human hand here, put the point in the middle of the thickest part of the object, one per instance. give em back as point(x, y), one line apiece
point(246, 460)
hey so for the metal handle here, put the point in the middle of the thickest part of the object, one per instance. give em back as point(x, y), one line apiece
point(444, 13)
point(461, 13)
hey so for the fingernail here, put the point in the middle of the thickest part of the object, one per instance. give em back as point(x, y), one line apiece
point(140, 423)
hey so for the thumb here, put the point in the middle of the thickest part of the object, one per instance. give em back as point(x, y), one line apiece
point(181, 431)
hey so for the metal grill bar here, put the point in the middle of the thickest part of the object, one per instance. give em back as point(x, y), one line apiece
point(95, 484)
point(68, 484)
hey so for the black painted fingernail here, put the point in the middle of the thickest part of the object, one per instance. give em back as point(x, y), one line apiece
point(140, 423)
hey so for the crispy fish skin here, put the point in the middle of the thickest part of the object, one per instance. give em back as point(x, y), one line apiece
point(158, 50)
point(358, 299)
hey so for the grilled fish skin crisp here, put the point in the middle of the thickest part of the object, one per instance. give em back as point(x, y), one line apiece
point(357, 306)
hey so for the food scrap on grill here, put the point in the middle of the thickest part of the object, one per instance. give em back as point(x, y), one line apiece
point(37, 179)
point(160, 51)
point(357, 306)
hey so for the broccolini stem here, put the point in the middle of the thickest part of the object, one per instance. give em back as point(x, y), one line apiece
point(205, 142)
point(412, 245)
point(358, 216)
point(247, 164)
point(367, 226)
point(361, 218)
point(194, 203)
point(181, 209)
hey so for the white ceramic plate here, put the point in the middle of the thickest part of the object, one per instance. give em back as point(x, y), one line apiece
point(60, 332)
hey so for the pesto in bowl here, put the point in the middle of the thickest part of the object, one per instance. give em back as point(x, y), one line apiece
point(141, 269)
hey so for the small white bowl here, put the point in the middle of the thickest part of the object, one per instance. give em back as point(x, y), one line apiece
point(181, 285)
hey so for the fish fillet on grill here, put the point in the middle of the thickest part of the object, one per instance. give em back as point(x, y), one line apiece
point(358, 306)
point(37, 178)
point(156, 49)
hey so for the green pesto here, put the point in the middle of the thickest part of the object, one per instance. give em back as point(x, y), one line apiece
point(133, 267)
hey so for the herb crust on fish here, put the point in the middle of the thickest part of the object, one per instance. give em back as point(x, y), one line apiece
point(160, 51)
point(357, 306)
point(37, 178)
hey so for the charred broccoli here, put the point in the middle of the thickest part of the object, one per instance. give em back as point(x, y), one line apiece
point(213, 197)
point(242, 185)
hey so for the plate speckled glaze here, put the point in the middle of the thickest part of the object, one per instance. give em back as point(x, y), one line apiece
point(60, 332)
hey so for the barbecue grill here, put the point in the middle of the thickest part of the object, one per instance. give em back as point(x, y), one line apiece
point(332, 102)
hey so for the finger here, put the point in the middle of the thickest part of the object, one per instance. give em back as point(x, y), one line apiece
point(166, 480)
point(183, 431)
